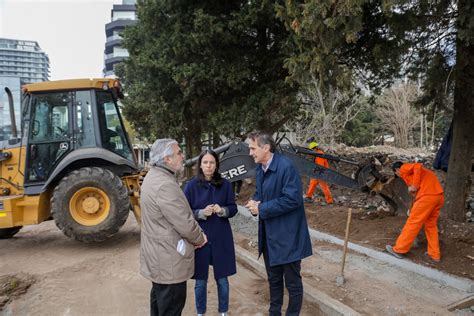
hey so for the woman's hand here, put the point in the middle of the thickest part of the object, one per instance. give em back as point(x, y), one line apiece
point(217, 209)
point(208, 210)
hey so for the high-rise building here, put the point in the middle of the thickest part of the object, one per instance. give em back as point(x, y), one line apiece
point(122, 16)
point(21, 62)
point(24, 60)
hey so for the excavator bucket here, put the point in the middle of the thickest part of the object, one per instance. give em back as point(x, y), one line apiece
point(395, 192)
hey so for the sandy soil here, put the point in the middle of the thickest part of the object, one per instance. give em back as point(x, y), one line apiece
point(72, 278)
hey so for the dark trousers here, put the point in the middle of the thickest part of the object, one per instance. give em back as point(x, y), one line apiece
point(167, 299)
point(288, 275)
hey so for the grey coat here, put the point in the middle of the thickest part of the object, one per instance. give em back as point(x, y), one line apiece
point(166, 218)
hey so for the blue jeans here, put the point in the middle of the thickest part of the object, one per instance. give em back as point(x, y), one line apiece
point(200, 293)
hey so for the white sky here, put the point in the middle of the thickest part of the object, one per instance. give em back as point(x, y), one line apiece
point(71, 32)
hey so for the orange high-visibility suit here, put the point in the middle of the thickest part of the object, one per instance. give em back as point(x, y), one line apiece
point(314, 183)
point(428, 202)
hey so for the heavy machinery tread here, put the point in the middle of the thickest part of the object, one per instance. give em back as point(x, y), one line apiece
point(6, 233)
point(100, 178)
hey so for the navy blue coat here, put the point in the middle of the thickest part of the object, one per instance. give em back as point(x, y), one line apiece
point(442, 156)
point(219, 250)
point(282, 218)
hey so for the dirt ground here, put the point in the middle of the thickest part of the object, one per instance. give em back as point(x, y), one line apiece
point(42, 272)
point(55, 275)
point(372, 286)
point(376, 228)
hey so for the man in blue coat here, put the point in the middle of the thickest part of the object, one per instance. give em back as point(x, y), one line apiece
point(283, 235)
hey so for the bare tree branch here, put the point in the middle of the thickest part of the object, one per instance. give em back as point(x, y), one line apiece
point(324, 115)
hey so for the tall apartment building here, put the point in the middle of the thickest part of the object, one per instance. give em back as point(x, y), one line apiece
point(24, 60)
point(122, 16)
point(20, 62)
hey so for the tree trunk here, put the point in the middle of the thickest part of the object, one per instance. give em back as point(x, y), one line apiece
point(458, 177)
point(421, 130)
point(216, 140)
point(433, 124)
point(192, 137)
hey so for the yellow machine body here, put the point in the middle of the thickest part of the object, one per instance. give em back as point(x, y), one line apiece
point(16, 209)
point(89, 206)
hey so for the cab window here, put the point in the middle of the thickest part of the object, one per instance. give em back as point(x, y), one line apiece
point(50, 117)
point(113, 135)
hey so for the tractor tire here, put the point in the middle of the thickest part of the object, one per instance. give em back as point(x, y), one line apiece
point(6, 233)
point(90, 204)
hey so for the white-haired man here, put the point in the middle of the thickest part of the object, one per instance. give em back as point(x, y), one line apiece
point(169, 232)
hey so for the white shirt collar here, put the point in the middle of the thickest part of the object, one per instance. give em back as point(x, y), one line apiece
point(265, 166)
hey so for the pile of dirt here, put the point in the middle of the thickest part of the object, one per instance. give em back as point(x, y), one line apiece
point(12, 286)
point(394, 153)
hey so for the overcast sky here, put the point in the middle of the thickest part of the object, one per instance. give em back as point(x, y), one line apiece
point(71, 32)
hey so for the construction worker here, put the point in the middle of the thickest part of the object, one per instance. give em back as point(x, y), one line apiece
point(428, 201)
point(313, 183)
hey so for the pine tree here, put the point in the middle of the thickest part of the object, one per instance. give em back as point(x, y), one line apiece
point(212, 67)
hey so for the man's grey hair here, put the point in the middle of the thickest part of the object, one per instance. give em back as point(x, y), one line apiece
point(160, 149)
point(263, 138)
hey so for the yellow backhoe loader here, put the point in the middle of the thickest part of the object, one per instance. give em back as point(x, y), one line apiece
point(72, 160)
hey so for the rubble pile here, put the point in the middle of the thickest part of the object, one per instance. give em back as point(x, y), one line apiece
point(386, 155)
point(470, 208)
point(393, 153)
point(367, 206)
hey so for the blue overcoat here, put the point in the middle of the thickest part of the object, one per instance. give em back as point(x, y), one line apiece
point(442, 156)
point(282, 218)
point(217, 229)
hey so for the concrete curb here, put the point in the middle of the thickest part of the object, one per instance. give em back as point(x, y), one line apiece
point(326, 304)
point(462, 284)
point(459, 283)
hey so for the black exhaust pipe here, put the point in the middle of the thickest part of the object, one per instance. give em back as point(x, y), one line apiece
point(12, 113)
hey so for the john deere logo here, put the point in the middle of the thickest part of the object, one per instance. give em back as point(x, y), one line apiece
point(234, 172)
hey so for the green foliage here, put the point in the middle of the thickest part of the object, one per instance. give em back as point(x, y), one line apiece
point(206, 66)
point(363, 130)
point(371, 41)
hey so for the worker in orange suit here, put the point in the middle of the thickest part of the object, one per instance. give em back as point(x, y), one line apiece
point(314, 183)
point(428, 201)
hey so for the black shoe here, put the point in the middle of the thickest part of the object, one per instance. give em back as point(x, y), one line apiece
point(393, 253)
point(308, 200)
point(428, 258)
